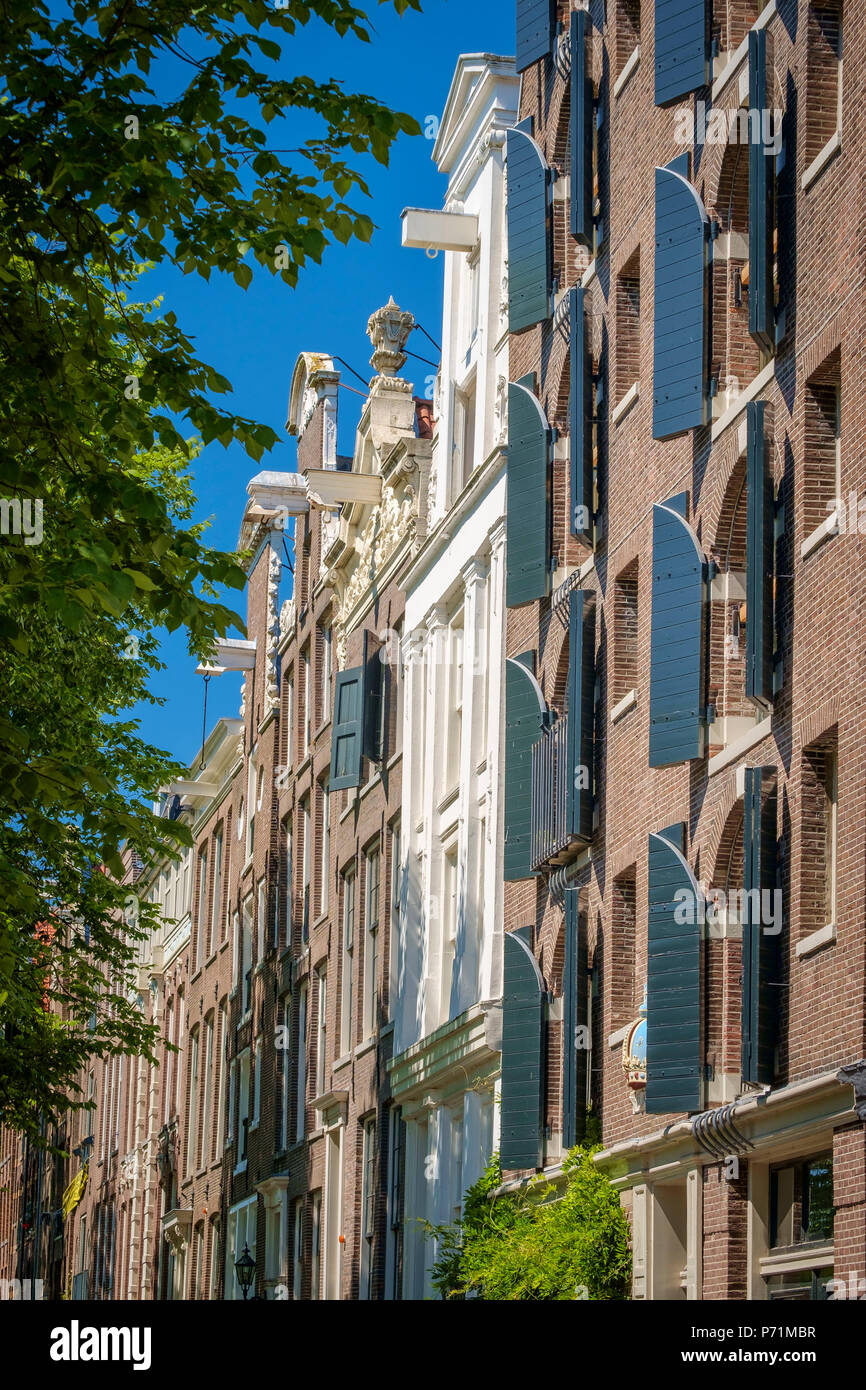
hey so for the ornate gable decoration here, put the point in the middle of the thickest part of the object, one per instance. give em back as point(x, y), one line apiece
point(366, 540)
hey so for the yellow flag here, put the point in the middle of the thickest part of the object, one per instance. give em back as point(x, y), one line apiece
point(74, 1192)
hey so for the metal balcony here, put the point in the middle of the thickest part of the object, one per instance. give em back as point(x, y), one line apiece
point(555, 819)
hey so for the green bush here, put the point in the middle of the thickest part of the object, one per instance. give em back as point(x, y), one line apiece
point(541, 1242)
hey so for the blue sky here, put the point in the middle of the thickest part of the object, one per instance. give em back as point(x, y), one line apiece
point(253, 337)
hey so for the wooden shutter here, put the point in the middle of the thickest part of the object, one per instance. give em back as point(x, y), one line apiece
point(534, 31)
point(527, 519)
point(575, 1015)
point(581, 130)
point(524, 712)
point(761, 983)
point(680, 48)
point(681, 314)
point(674, 1055)
point(528, 230)
point(760, 547)
point(580, 411)
point(580, 752)
point(762, 190)
point(348, 729)
point(522, 1053)
point(677, 643)
point(374, 694)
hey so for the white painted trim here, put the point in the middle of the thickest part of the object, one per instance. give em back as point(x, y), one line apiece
point(820, 162)
point(826, 936)
point(588, 275)
point(626, 403)
point(749, 393)
point(631, 63)
point(738, 747)
point(829, 527)
point(623, 706)
point(791, 1263)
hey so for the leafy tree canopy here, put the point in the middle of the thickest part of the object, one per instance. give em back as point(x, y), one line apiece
point(102, 175)
point(541, 1242)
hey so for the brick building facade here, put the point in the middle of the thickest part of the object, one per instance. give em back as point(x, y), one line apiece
point(684, 710)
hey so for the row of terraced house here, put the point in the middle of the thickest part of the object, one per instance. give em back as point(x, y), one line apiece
point(544, 801)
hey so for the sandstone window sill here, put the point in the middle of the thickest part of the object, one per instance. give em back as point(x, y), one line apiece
point(826, 936)
point(622, 707)
point(820, 162)
point(630, 398)
point(828, 528)
point(630, 66)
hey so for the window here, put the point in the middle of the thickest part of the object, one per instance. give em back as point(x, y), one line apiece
point(243, 1105)
point(300, 1116)
point(455, 700)
point(230, 1123)
point(206, 1137)
point(290, 719)
point(394, 919)
point(823, 76)
point(473, 297)
point(449, 926)
point(192, 1116)
point(456, 1167)
point(287, 834)
point(627, 356)
point(818, 854)
point(216, 900)
point(822, 447)
point(348, 961)
point(322, 1030)
point(463, 447)
point(395, 1200)
point(625, 632)
point(297, 1248)
point(308, 712)
point(242, 1221)
point(371, 945)
point(324, 887)
point(285, 1058)
point(199, 1260)
point(168, 1057)
point(261, 920)
point(223, 1070)
point(257, 1084)
point(251, 805)
point(246, 981)
point(307, 857)
point(180, 1022)
point(801, 1203)
point(325, 673)
point(316, 1246)
point(201, 915)
point(368, 1207)
point(236, 951)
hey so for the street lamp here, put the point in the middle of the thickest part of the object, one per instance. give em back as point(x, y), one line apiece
point(245, 1269)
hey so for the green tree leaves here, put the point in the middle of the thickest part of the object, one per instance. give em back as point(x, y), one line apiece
point(106, 172)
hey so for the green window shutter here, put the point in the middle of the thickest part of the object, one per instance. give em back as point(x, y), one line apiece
point(677, 638)
point(680, 307)
point(575, 1015)
point(580, 411)
point(528, 231)
point(524, 712)
point(681, 48)
point(348, 724)
point(581, 130)
point(527, 519)
point(761, 984)
point(374, 694)
point(580, 751)
point(760, 547)
point(523, 998)
point(762, 192)
point(534, 31)
point(674, 1054)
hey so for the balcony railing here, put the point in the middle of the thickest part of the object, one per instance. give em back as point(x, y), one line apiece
point(555, 817)
point(79, 1286)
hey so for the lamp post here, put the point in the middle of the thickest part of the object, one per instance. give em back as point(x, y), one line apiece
point(245, 1269)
